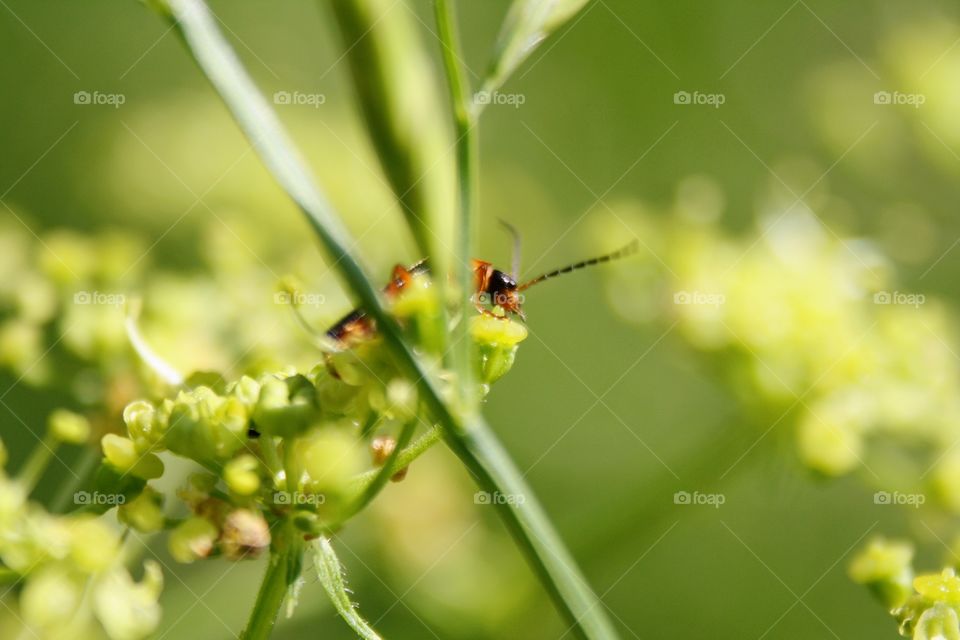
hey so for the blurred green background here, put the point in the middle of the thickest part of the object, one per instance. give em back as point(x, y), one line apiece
point(611, 418)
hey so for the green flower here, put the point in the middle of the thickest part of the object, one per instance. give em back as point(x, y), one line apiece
point(286, 407)
point(497, 339)
point(129, 610)
point(206, 427)
point(192, 539)
point(885, 566)
point(68, 427)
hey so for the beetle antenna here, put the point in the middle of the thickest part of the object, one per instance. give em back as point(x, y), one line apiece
point(515, 258)
point(623, 252)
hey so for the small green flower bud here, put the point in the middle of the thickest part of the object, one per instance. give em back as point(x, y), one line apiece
point(497, 340)
point(307, 521)
point(119, 451)
point(241, 475)
point(939, 622)
point(286, 407)
point(402, 398)
point(939, 587)
point(129, 610)
point(68, 427)
point(121, 454)
point(331, 458)
point(3, 455)
point(206, 427)
point(94, 546)
point(51, 598)
point(192, 539)
point(145, 424)
point(491, 330)
point(885, 566)
point(247, 391)
point(144, 513)
point(245, 533)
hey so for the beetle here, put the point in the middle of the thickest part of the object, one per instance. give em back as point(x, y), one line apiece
point(491, 286)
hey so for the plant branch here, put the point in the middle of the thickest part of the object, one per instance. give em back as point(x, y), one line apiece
point(473, 442)
point(383, 474)
point(466, 135)
point(273, 589)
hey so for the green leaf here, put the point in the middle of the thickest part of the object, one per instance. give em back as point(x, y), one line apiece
point(528, 23)
point(331, 577)
point(396, 91)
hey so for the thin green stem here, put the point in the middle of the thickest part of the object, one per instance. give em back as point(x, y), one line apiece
point(465, 128)
point(36, 464)
point(283, 560)
point(478, 447)
point(405, 457)
point(389, 468)
point(271, 457)
point(86, 464)
point(493, 469)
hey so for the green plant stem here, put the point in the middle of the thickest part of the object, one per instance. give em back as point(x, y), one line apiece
point(273, 589)
point(32, 470)
point(476, 445)
point(271, 457)
point(465, 129)
point(493, 469)
point(405, 457)
point(390, 467)
point(86, 464)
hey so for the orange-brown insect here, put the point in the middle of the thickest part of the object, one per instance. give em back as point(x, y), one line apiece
point(491, 287)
